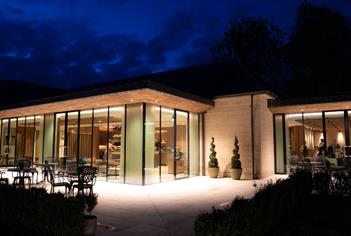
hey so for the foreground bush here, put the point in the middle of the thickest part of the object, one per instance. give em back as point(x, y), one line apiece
point(257, 216)
point(35, 212)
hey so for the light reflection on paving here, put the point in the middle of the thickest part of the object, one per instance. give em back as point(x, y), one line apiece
point(168, 208)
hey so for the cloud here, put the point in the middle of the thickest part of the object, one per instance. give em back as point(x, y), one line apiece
point(64, 53)
point(68, 53)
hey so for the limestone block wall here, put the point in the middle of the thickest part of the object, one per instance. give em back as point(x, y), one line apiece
point(264, 140)
point(229, 117)
point(232, 116)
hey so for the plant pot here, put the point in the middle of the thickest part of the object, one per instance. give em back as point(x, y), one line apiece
point(213, 172)
point(236, 173)
point(89, 225)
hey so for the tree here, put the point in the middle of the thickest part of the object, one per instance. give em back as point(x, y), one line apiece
point(319, 53)
point(255, 43)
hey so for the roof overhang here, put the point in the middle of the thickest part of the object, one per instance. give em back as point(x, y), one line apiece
point(149, 93)
point(310, 104)
point(267, 93)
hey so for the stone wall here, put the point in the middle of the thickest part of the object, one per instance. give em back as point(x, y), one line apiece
point(232, 116)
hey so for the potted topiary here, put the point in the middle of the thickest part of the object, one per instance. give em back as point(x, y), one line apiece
point(236, 163)
point(213, 167)
point(90, 221)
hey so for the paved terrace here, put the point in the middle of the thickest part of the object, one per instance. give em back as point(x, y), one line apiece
point(166, 209)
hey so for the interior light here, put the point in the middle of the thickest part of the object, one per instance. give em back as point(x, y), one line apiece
point(86, 112)
point(341, 139)
point(297, 115)
point(115, 108)
point(100, 110)
point(335, 113)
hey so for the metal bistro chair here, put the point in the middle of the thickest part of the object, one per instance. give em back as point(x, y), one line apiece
point(57, 181)
point(86, 179)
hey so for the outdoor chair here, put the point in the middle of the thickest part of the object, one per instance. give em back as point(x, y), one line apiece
point(2, 179)
point(86, 179)
point(57, 181)
point(20, 181)
point(24, 165)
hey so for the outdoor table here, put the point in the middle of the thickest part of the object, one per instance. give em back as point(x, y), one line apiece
point(52, 165)
point(335, 169)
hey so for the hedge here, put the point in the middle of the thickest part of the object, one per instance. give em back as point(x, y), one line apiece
point(35, 212)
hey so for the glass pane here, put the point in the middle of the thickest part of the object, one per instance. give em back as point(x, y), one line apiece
point(335, 136)
point(60, 149)
point(115, 140)
point(152, 144)
point(134, 144)
point(100, 133)
point(72, 136)
point(313, 133)
point(20, 138)
point(4, 141)
point(181, 150)
point(38, 139)
point(12, 141)
point(167, 144)
point(279, 145)
point(29, 138)
point(294, 137)
point(85, 136)
point(194, 144)
point(49, 137)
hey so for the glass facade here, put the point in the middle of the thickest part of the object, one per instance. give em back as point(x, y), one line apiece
point(135, 143)
point(302, 136)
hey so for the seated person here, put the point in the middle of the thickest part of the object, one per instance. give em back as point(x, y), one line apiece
point(320, 157)
point(330, 152)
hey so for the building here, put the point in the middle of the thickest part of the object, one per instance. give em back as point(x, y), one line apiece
point(157, 127)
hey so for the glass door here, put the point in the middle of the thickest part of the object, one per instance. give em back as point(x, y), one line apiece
point(4, 141)
point(181, 146)
point(167, 144)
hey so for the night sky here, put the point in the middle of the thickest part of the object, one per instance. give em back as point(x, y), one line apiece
point(70, 43)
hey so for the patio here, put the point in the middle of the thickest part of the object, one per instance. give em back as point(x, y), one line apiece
point(167, 208)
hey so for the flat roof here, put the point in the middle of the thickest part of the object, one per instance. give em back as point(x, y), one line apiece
point(342, 102)
point(124, 93)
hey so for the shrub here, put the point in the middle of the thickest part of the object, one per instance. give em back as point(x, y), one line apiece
point(340, 184)
point(271, 204)
point(236, 163)
point(321, 182)
point(35, 212)
point(89, 201)
point(213, 163)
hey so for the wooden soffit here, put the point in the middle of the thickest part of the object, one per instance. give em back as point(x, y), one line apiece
point(111, 99)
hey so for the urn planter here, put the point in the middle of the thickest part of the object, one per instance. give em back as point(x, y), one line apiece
point(89, 225)
point(213, 172)
point(236, 173)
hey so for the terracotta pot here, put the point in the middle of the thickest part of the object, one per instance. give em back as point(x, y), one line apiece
point(213, 172)
point(236, 173)
point(89, 225)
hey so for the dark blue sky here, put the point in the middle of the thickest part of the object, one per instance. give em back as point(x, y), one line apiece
point(70, 43)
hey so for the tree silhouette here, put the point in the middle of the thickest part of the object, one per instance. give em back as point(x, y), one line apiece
point(255, 43)
point(319, 53)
